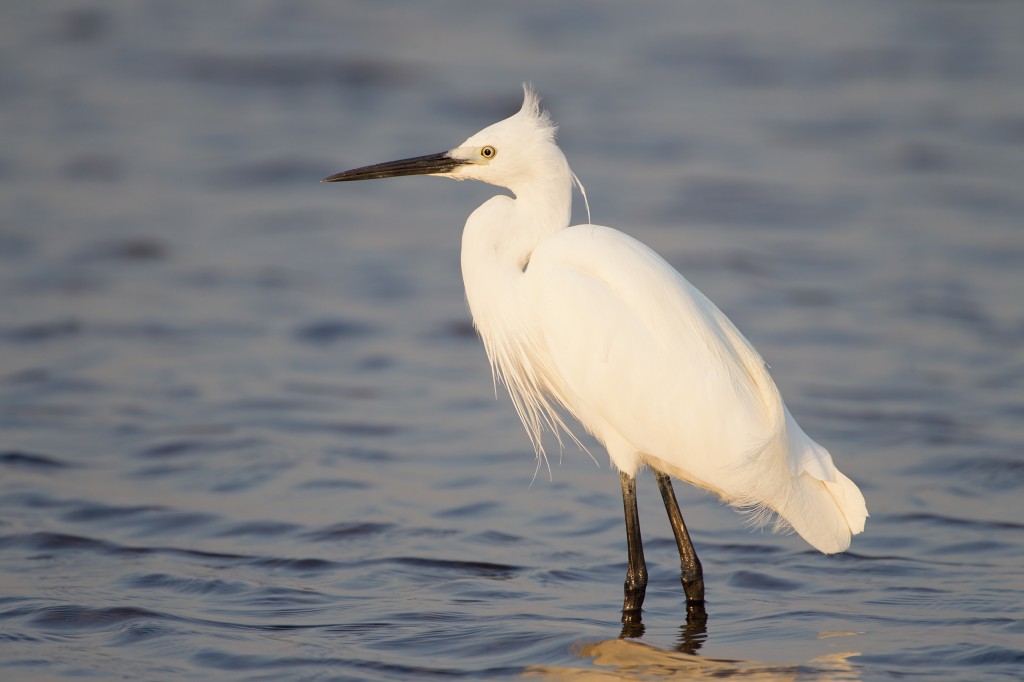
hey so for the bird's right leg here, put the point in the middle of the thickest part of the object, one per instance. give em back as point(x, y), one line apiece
point(636, 572)
point(691, 575)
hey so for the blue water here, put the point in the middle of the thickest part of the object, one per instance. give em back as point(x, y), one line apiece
point(246, 429)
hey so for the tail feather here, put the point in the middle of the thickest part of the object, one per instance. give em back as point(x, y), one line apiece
point(792, 480)
point(825, 513)
point(850, 501)
point(824, 506)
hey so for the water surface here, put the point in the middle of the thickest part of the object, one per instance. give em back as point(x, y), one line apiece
point(247, 429)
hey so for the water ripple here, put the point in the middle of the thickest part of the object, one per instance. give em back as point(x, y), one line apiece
point(249, 432)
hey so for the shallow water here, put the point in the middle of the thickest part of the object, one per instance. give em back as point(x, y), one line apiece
point(248, 432)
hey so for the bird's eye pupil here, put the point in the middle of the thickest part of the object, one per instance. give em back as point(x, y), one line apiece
point(488, 152)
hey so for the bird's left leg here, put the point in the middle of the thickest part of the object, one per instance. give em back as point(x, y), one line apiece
point(691, 574)
point(636, 572)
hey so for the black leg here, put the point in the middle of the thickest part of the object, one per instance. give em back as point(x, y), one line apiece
point(636, 572)
point(692, 575)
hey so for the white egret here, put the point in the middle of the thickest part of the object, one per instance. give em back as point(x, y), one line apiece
point(591, 320)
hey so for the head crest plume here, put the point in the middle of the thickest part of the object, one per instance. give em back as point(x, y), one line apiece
point(542, 119)
point(531, 109)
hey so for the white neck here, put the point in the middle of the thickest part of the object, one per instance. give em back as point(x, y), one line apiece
point(511, 230)
point(497, 243)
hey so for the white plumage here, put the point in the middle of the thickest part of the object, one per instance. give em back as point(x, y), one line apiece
point(591, 319)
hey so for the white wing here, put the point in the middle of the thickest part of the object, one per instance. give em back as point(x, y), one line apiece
point(647, 362)
point(659, 375)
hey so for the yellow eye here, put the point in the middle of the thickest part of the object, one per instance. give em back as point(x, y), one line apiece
point(488, 152)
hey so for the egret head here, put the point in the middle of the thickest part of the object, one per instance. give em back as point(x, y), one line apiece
point(510, 153)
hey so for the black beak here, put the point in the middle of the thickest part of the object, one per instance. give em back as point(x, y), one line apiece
point(419, 165)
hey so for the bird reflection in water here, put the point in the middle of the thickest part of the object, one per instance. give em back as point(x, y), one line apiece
point(692, 633)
